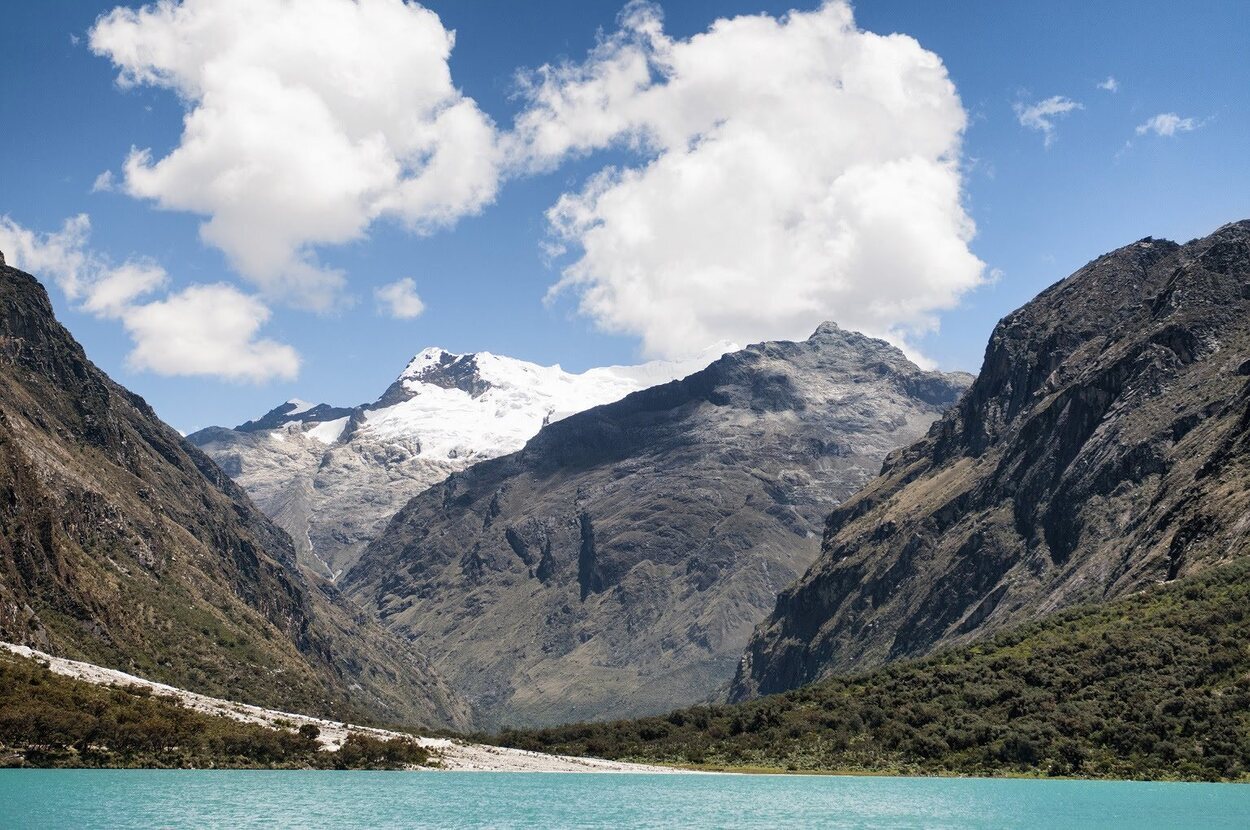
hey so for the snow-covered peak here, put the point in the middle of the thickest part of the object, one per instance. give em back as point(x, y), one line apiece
point(434, 364)
point(424, 359)
point(482, 405)
point(460, 408)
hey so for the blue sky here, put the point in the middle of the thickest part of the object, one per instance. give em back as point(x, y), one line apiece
point(1042, 208)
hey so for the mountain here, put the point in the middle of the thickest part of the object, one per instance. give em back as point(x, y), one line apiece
point(123, 545)
point(617, 564)
point(334, 476)
point(1104, 448)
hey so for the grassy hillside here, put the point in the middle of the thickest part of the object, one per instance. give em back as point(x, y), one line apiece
point(1156, 685)
point(47, 720)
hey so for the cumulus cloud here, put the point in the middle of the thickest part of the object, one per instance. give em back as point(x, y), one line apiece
point(115, 290)
point(307, 122)
point(399, 299)
point(60, 256)
point(791, 170)
point(207, 330)
point(1110, 84)
point(202, 330)
point(1041, 115)
point(1168, 124)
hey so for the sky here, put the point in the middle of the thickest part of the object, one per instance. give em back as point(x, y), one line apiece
point(237, 202)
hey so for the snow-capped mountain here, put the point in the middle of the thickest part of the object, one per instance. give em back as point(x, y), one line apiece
point(618, 564)
point(334, 476)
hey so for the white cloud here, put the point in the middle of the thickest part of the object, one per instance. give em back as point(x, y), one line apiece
point(1041, 115)
point(1110, 84)
point(794, 170)
point(1168, 124)
point(103, 183)
point(399, 299)
point(306, 123)
point(204, 330)
point(60, 256)
point(115, 290)
point(207, 330)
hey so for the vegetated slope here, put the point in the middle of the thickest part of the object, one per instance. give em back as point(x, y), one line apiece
point(1102, 449)
point(333, 477)
point(618, 563)
point(1154, 685)
point(123, 545)
point(51, 721)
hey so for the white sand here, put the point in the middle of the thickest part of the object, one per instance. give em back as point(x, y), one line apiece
point(453, 754)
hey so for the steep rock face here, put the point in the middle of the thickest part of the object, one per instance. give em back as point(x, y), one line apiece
point(333, 477)
point(1102, 448)
point(124, 545)
point(616, 565)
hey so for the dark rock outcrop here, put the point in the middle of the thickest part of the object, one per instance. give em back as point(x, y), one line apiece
point(617, 564)
point(1103, 447)
point(124, 545)
point(288, 413)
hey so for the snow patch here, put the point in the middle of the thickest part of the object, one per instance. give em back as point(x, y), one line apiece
point(329, 431)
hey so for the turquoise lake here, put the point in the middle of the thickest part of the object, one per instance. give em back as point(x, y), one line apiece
point(211, 799)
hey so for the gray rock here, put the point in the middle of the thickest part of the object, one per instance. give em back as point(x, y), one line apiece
point(332, 498)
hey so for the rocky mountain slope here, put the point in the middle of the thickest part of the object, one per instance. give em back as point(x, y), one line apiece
point(617, 564)
point(333, 477)
point(1104, 447)
point(122, 544)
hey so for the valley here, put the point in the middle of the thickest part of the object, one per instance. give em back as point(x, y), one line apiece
point(1045, 577)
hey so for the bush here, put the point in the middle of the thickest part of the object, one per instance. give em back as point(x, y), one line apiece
point(1152, 686)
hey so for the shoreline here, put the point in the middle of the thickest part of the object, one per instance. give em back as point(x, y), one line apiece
point(458, 755)
point(452, 754)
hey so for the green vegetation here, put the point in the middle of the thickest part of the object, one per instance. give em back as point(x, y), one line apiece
point(47, 720)
point(1155, 686)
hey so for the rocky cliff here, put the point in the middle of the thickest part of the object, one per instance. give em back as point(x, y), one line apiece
point(617, 564)
point(1104, 447)
point(123, 545)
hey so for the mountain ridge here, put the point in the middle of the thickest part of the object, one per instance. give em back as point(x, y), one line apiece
point(1102, 448)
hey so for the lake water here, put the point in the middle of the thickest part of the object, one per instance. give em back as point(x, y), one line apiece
point(203, 799)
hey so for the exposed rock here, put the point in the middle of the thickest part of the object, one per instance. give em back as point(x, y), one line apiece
point(616, 565)
point(1104, 447)
point(122, 544)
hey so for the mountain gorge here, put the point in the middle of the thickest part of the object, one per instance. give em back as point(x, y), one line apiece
point(124, 545)
point(1104, 448)
point(333, 477)
point(617, 564)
